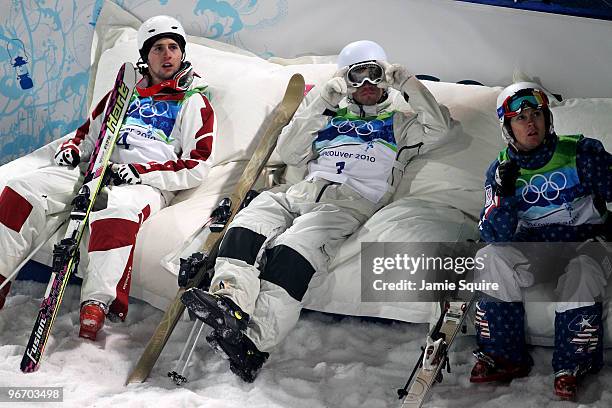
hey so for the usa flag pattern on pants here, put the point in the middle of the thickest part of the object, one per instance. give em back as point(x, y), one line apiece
point(578, 339)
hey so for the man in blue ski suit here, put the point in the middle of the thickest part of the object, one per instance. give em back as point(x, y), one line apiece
point(543, 188)
point(355, 146)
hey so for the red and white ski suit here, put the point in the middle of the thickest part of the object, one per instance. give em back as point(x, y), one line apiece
point(169, 138)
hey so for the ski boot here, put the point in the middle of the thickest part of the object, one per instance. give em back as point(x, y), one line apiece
point(489, 369)
point(218, 312)
point(92, 318)
point(567, 380)
point(4, 291)
point(566, 385)
point(228, 337)
point(244, 357)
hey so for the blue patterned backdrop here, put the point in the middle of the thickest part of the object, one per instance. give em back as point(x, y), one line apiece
point(45, 51)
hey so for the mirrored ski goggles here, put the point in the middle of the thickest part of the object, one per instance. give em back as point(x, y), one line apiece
point(369, 71)
point(526, 98)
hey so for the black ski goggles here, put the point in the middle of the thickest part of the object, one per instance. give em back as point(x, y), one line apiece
point(369, 71)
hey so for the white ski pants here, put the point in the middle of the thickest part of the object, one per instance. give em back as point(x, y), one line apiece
point(582, 282)
point(275, 245)
point(26, 202)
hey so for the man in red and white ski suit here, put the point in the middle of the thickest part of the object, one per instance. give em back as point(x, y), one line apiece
point(165, 145)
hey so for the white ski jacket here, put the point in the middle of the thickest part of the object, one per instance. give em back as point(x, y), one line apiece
point(360, 146)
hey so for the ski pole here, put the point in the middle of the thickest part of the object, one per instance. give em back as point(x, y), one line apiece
point(174, 375)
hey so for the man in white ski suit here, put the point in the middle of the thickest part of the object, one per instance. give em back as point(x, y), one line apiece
point(356, 148)
point(165, 145)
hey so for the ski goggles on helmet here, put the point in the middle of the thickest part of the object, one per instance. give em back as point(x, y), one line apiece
point(184, 77)
point(525, 98)
point(179, 83)
point(369, 71)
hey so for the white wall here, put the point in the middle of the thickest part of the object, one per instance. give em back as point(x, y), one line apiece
point(454, 40)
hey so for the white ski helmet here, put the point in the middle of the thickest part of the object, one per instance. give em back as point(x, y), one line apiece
point(516, 97)
point(160, 27)
point(360, 51)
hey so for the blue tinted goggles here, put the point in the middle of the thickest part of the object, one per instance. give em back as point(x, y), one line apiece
point(526, 98)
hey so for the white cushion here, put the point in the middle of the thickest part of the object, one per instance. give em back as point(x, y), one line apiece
point(591, 117)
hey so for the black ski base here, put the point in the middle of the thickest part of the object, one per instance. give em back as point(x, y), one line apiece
point(177, 378)
point(244, 358)
point(190, 267)
point(218, 312)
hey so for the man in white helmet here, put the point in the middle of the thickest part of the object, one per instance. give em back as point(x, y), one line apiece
point(543, 188)
point(165, 145)
point(355, 146)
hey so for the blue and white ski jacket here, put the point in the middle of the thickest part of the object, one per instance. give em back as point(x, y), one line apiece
point(361, 146)
point(560, 196)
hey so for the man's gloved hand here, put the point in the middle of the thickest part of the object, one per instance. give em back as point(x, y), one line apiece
point(67, 154)
point(335, 89)
point(396, 75)
point(505, 178)
point(124, 174)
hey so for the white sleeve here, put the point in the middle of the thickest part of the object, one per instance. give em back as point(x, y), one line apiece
point(86, 136)
point(428, 126)
point(295, 143)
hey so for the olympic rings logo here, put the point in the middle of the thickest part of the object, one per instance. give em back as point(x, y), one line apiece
point(361, 127)
point(549, 189)
point(148, 110)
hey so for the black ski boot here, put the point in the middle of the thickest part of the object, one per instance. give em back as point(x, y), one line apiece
point(229, 323)
point(245, 360)
point(218, 312)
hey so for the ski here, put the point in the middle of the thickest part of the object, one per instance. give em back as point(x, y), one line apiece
point(434, 357)
point(189, 267)
point(66, 252)
point(203, 263)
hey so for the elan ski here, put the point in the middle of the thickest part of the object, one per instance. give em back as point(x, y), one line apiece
point(434, 357)
point(201, 263)
point(66, 252)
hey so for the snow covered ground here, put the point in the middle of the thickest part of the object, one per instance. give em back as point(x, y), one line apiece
point(325, 362)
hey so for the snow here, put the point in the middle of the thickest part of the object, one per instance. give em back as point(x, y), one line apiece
point(325, 362)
